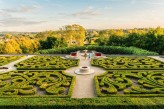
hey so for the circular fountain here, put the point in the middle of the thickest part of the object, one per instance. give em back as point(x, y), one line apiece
point(84, 70)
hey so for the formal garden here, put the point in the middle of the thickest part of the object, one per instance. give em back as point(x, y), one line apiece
point(41, 82)
point(36, 83)
point(46, 63)
point(118, 62)
point(130, 83)
point(8, 59)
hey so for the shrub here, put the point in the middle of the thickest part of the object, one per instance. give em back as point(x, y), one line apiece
point(103, 49)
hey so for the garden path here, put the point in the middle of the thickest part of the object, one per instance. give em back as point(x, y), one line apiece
point(158, 58)
point(84, 86)
point(11, 66)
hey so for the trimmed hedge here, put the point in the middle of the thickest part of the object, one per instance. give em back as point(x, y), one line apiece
point(46, 63)
point(36, 84)
point(66, 50)
point(103, 49)
point(146, 83)
point(87, 103)
point(7, 59)
point(128, 62)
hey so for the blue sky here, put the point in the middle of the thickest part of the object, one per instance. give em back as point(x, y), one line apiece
point(42, 15)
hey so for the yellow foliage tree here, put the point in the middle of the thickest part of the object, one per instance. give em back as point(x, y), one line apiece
point(74, 34)
point(11, 47)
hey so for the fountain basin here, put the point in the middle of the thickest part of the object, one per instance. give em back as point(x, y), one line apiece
point(84, 70)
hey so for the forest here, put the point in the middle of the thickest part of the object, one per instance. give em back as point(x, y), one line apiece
point(75, 35)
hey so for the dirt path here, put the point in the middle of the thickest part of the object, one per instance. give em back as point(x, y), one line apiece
point(11, 65)
point(84, 87)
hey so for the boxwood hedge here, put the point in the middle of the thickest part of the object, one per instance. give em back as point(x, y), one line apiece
point(36, 83)
point(86, 103)
point(103, 49)
point(128, 62)
point(7, 59)
point(130, 83)
point(46, 63)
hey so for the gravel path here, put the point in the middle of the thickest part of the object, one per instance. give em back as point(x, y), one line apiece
point(84, 87)
point(11, 66)
point(158, 58)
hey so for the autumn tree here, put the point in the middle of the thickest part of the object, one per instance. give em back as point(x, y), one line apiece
point(28, 45)
point(74, 34)
point(11, 47)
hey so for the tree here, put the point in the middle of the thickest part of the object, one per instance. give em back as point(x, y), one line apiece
point(74, 34)
point(1, 47)
point(53, 42)
point(28, 45)
point(12, 47)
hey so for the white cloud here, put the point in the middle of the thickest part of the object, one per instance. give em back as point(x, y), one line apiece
point(89, 11)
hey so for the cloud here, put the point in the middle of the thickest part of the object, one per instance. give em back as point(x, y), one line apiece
point(9, 21)
point(89, 11)
point(8, 17)
point(22, 9)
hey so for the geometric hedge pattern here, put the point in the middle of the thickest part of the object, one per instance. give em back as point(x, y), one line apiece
point(133, 83)
point(39, 83)
point(46, 63)
point(111, 63)
point(7, 59)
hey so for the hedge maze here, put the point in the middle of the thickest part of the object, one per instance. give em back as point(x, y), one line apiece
point(130, 83)
point(46, 63)
point(36, 83)
point(112, 63)
point(7, 59)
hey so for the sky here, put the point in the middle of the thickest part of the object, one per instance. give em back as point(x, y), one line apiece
point(43, 15)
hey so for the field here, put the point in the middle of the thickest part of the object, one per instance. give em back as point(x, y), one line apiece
point(128, 63)
point(36, 83)
point(7, 59)
point(46, 63)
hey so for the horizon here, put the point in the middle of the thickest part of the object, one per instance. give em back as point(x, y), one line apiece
point(45, 15)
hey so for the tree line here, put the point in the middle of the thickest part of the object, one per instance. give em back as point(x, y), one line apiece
point(151, 39)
